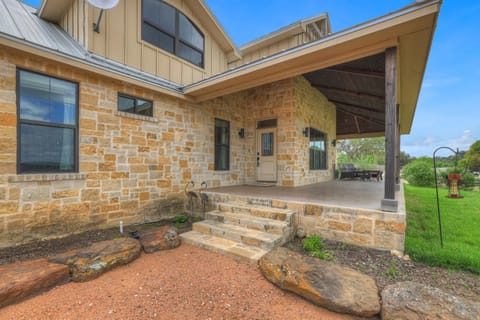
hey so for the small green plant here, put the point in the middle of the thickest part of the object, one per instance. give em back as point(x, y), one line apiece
point(180, 219)
point(392, 272)
point(314, 246)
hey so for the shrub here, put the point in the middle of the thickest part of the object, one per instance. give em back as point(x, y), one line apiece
point(468, 181)
point(419, 173)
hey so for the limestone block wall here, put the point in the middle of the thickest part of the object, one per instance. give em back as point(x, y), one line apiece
point(313, 110)
point(295, 105)
point(131, 168)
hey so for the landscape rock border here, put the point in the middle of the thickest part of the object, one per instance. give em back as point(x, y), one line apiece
point(21, 280)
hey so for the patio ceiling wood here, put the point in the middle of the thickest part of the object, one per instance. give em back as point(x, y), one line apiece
point(357, 89)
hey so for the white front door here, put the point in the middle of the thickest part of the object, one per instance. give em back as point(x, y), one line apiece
point(266, 155)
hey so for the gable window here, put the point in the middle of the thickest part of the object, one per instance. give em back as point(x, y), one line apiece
point(47, 124)
point(134, 105)
point(318, 150)
point(222, 145)
point(167, 28)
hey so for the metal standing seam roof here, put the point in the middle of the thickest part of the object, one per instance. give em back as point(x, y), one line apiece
point(19, 22)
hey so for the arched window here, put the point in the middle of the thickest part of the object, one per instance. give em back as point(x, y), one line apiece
point(167, 28)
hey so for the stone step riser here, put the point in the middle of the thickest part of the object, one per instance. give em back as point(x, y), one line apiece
point(245, 239)
point(253, 211)
point(232, 251)
point(248, 223)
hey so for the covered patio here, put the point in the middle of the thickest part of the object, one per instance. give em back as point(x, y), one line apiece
point(341, 193)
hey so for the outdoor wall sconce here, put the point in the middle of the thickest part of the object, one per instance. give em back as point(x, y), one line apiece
point(334, 142)
point(241, 133)
point(306, 132)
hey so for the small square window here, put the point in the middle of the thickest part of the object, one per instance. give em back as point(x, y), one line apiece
point(135, 105)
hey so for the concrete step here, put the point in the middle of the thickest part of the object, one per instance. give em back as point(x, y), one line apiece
point(257, 211)
point(233, 249)
point(246, 236)
point(249, 221)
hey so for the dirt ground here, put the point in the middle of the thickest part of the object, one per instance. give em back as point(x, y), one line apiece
point(184, 283)
point(190, 283)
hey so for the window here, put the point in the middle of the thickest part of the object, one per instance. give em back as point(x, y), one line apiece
point(48, 124)
point(222, 145)
point(135, 105)
point(318, 151)
point(167, 28)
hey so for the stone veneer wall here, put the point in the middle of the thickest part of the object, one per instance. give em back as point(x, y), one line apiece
point(367, 228)
point(132, 168)
point(313, 110)
point(296, 105)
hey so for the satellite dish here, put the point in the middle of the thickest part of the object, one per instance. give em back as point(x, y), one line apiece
point(102, 5)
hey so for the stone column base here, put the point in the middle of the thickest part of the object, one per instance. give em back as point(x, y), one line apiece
point(389, 205)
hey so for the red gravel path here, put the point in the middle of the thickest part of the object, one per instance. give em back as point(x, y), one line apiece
point(185, 283)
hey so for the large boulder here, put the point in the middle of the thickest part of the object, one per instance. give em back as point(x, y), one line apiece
point(23, 279)
point(415, 301)
point(163, 238)
point(88, 263)
point(326, 284)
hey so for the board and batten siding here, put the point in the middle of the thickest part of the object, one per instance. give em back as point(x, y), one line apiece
point(120, 40)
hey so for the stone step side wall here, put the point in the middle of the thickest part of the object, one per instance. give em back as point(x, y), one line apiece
point(367, 228)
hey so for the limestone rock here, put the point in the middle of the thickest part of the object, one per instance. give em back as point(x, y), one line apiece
point(22, 279)
point(326, 284)
point(415, 301)
point(88, 263)
point(163, 238)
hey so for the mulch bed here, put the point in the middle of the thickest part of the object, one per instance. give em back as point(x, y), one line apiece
point(47, 248)
point(387, 269)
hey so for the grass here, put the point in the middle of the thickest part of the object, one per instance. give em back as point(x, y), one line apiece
point(460, 225)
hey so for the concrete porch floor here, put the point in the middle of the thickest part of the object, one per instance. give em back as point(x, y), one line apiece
point(345, 193)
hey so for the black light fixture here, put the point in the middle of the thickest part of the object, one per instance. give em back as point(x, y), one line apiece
point(334, 142)
point(241, 133)
point(306, 132)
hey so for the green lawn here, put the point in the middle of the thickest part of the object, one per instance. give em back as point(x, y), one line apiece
point(460, 223)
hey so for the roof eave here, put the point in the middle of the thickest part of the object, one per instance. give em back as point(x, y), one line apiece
point(53, 10)
point(208, 18)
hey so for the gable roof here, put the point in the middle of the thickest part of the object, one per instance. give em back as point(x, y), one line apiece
point(319, 23)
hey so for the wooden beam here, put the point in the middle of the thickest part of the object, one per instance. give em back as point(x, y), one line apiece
point(350, 92)
point(357, 72)
point(361, 116)
point(357, 106)
point(357, 124)
point(389, 203)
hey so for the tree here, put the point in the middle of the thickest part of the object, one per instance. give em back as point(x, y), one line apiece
point(472, 157)
point(405, 158)
point(355, 150)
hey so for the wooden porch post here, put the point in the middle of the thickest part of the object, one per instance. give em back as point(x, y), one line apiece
point(397, 152)
point(389, 203)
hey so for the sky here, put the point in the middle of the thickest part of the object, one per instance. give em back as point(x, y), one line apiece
point(448, 109)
